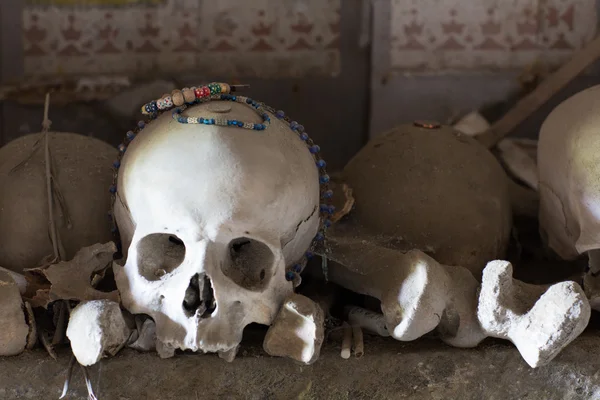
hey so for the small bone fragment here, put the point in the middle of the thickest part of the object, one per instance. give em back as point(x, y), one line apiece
point(297, 331)
point(97, 329)
point(472, 124)
point(366, 319)
point(346, 341)
point(71, 280)
point(19, 279)
point(229, 355)
point(539, 322)
point(14, 329)
point(146, 335)
point(32, 336)
point(518, 161)
point(164, 350)
point(358, 345)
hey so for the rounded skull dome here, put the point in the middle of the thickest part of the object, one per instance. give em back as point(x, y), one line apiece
point(81, 169)
point(436, 190)
point(568, 169)
point(210, 216)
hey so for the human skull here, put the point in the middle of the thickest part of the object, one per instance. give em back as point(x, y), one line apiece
point(209, 218)
point(569, 184)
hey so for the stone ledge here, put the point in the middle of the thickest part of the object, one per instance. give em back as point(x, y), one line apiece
point(425, 369)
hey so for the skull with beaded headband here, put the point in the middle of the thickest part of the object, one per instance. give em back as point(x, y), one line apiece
point(153, 259)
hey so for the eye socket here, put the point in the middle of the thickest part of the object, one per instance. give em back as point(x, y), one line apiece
point(159, 254)
point(250, 263)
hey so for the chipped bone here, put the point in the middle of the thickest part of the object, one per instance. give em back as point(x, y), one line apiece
point(14, 332)
point(298, 330)
point(97, 329)
point(540, 321)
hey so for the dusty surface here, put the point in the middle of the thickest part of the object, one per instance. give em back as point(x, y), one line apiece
point(83, 171)
point(425, 369)
point(434, 189)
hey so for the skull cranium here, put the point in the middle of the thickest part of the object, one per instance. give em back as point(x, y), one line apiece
point(209, 218)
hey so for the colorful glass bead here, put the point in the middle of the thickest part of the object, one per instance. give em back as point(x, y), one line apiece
point(168, 101)
point(130, 135)
point(309, 255)
point(314, 149)
point(215, 88)
point(327, 194)
point(321, 163)
point(112, 189)
point(150, 108)
point(304, 136)
point(116, 163)
point(289, 276)
point(297, 268)
point(141, 124)
point(122, 148)
point(324, 178)
point(177, 97)
point(280, 114)
point(188, 95)
point(198, 92)
point(293, 125)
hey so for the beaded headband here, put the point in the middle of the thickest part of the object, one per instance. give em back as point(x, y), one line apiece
point(179, 100)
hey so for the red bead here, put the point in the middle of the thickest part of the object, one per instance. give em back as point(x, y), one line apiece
point(198, 92)
point(206, 91)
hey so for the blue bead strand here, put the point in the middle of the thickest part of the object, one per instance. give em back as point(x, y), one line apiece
point(221, 92)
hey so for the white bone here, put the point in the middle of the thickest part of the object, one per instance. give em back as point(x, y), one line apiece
point(519, 162)
point(569, 182)
point(14, 331)
point(419, 295)
point(369, 320)
point(472, 124)
point(97, 329)
point(539, 321)
point(208, 186)
point(298, 330)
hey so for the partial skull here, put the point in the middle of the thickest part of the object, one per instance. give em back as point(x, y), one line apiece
point(81, 172)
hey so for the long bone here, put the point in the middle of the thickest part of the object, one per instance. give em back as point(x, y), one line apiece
point(419, 295)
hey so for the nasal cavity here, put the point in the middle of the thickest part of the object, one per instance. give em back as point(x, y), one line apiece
point(199, 297)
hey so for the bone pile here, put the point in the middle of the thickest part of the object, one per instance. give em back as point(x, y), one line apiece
point(218, 208)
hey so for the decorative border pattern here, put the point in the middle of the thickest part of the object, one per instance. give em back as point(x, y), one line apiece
point(453, 34)
point(227, 38)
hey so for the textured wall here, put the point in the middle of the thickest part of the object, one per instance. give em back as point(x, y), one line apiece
point(324, 89)
point(475, 34)
point(259, 38)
